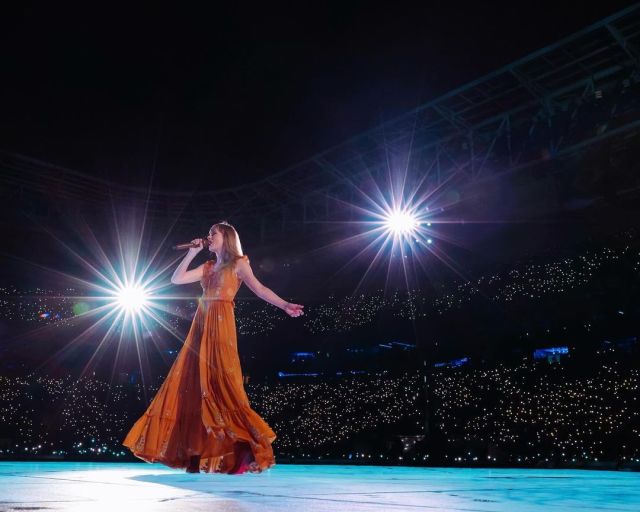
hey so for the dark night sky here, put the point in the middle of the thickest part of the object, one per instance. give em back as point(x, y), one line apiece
point(219, 97)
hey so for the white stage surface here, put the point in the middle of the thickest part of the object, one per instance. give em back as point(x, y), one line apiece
point(142, 487)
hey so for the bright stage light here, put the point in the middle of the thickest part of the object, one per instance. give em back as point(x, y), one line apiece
point(401, 222)
point(132, 298)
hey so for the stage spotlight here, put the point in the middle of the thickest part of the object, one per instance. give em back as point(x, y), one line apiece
point(401, 222)
point(132, 298)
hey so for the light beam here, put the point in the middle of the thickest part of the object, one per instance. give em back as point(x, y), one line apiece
point(401, 223)
point(132, 298)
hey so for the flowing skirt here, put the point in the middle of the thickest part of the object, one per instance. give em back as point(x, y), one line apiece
point(202, 409)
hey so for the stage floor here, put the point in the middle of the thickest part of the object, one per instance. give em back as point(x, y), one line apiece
point(143, 487)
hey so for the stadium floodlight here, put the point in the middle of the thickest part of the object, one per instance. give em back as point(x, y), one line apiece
point(132, 298)
point(401, 223)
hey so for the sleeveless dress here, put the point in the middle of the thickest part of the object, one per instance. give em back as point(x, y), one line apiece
point(201, 407)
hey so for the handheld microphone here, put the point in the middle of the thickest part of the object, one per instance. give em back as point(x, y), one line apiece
point(190, 245)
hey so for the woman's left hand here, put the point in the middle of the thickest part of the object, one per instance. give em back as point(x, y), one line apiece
point(293, 309)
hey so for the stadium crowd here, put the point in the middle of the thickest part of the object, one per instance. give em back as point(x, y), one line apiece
point(530, 413)
point(506, 408)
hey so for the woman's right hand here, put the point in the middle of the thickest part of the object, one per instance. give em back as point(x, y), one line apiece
point(195, 250)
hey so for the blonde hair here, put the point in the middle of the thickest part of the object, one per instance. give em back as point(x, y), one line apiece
point(231, 248)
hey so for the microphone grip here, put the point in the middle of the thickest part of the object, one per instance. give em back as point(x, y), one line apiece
point(182, 247)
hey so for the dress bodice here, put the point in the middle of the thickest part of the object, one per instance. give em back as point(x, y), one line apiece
point(221, 284)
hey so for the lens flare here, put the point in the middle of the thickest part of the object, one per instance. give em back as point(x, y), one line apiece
point(398, 219)
point(123, 305)
point(132, 298)
point(401, 223)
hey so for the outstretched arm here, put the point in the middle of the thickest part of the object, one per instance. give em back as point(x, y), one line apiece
point(243, 269)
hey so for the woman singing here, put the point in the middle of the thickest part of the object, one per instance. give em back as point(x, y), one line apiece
point(200, 419)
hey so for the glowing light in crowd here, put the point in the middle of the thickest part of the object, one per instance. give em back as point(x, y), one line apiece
point(529, 413)
point(531, 282)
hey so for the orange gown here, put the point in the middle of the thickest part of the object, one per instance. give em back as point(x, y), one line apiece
point(202, 408)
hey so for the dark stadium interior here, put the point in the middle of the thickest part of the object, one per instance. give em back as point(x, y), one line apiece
point(512, 339)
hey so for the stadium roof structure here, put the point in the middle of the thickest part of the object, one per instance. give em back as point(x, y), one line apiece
point(554, 103)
